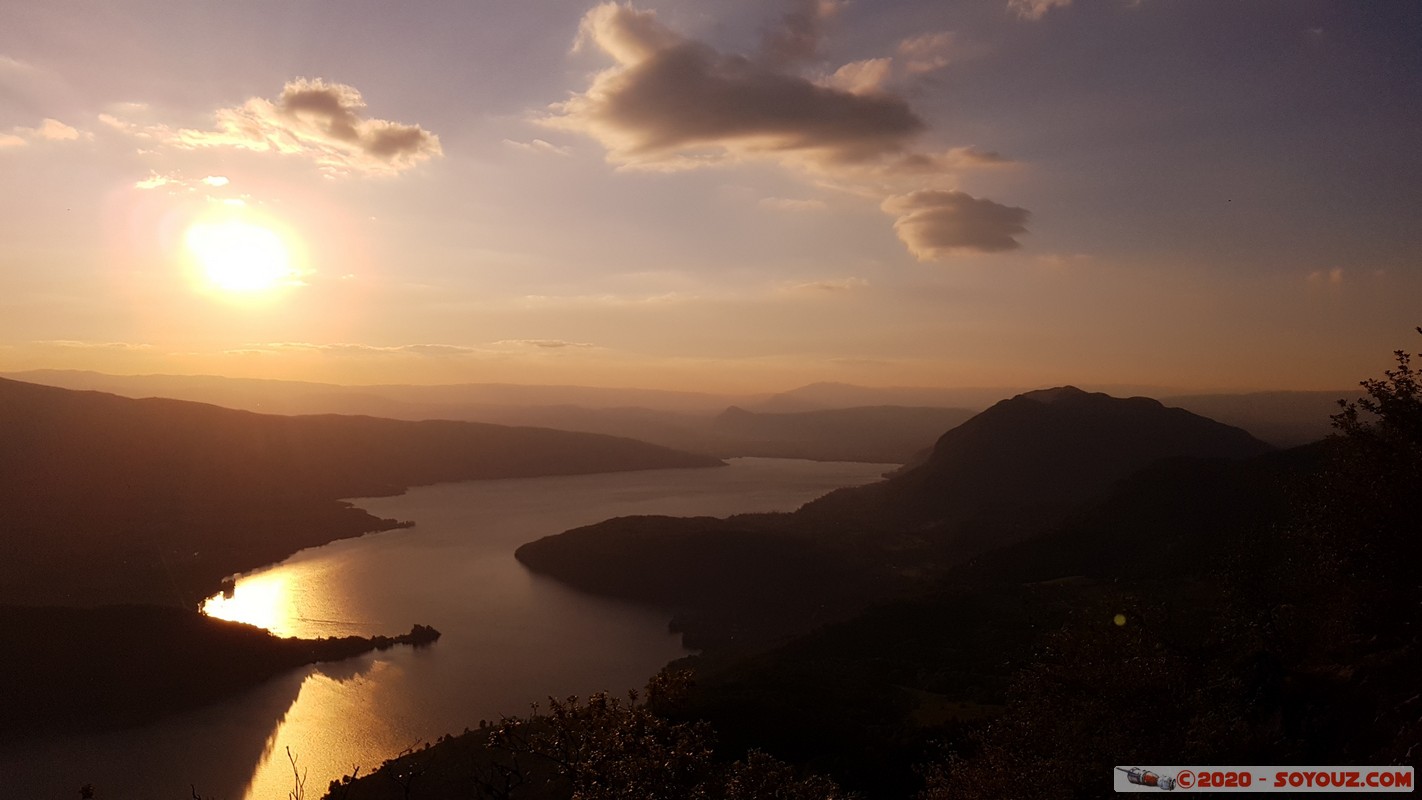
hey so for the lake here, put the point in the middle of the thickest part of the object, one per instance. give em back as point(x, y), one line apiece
point(510, 638)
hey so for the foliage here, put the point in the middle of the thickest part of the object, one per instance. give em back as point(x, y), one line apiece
point(1378, 468)
point(601, 748)
point(605, 749)
point(1395, 403)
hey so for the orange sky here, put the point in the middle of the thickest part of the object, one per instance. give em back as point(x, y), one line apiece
point(728, 197)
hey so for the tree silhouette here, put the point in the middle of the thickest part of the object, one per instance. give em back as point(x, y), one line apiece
point(1369, 503)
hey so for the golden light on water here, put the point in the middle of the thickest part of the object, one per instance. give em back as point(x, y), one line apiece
point(292, 599)
point(265, 600)
point(240, 256)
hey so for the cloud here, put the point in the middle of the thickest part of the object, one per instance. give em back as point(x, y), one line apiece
point(122, 126)
point(862, 77)
point(1062, 260)
point(540, 146)
point(827, 285)
point(915, 56)
point(607, 300)
point(49, 130)
point(1330, 277)
point(673, 101)
point(156, 181)
point(351, 349)
point(927, 52)
point(71, 344)
point(792, 204)
point(935, 223)
point(313, 119)
point(15, 65)
point(960, 157)
point(434, 350)
point(798, 36)
point(1035, 9)
point(545, 344)
point(956, 159)
point(175, 182)
point(55, 131)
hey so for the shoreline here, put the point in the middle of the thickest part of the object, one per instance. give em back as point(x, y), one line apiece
point(122, 666)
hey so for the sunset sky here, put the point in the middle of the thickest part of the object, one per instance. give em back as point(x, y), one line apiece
point(727, 195)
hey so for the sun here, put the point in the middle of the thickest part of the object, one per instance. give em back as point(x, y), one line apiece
point(240, 257)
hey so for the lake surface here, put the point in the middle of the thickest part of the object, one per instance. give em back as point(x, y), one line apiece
point(510, 638)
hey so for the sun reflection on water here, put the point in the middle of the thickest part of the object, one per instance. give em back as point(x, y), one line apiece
point(338, 722)
point(306, 597)
point(265, 600)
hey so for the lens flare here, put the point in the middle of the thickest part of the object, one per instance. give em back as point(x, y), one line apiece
point(239, 256)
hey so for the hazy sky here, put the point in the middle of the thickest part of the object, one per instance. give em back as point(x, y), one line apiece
point(713, 195)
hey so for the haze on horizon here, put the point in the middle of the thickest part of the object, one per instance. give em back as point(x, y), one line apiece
point(722, 197)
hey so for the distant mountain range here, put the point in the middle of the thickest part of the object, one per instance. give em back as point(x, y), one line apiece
point(107, 499)
point(885, 434)
point(818, 396)
point(1283, 419)
point(1025, 463)
point(1017, 470)
point(825, 421)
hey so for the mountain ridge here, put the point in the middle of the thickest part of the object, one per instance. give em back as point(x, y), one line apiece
point(111, 499)
point(1007, 474)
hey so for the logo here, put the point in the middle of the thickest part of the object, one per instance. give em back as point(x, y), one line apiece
point(1143, 777)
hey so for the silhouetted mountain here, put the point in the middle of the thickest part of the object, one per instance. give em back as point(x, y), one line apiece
point(1023, 464)
point(681, 420)
point(104, 498)
point(926, 668)
point(1014, 471)
point(1233, 588)
point(400, 401)
point(732, 581)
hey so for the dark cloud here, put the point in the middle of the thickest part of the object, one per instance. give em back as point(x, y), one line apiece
point(671, 98)
point(936, 223)
point(798, 35)
point(673, 102)
point(964, 156)
point(959, 158)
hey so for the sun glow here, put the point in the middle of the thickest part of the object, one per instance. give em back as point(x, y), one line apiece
point(264, 600)
point(239, 256)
